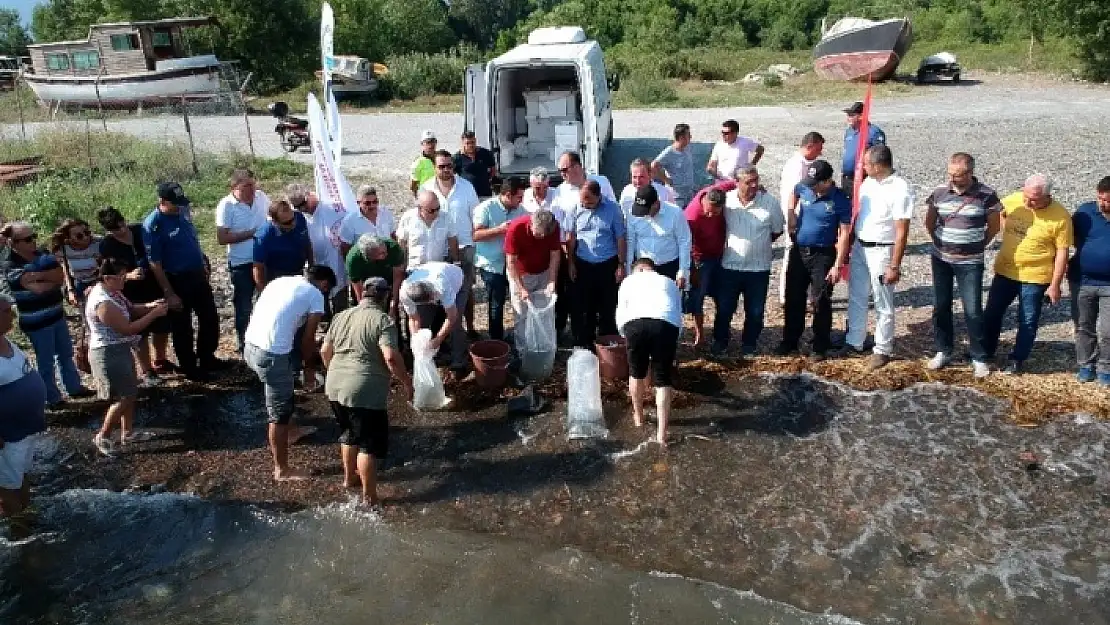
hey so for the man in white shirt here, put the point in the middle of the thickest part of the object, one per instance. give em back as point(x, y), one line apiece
point(658, 230)
point(575, 177)
point(282, 327)
point(753, 221)
point(881, 228)
point(371, 218)
point(540, 194)
point(426, 233)
point(640, 177)
point(793, 172)
point(433, 296)
point(238, 217)
point(732, 152)
point(459, 199)
point(649, 315)
point(324, 223)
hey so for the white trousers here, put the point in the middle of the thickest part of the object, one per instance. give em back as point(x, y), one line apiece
point(865, 272)
point(782, 270)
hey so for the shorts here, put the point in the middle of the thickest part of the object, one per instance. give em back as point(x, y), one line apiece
point(365, 428)
point(15, 459)
point(276, 373)
point(651, 342)
point(113, 368)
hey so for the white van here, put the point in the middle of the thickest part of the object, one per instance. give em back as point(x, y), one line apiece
point(541, 99)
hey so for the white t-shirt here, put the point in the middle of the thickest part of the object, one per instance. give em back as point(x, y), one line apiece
point(14, 368)
point(648, 295)
point(100, 333)
point(731, 157)
point(356, 224)
point(459, 204)
point(446, 279)
point(425, 243)
point(280, 311)
point(323, 230)
point(881, 203)
point(796, 168)
point(238, 217)
point(628, 196)
point(532, 204)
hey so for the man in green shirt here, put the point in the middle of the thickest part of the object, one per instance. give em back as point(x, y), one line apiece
point(424, 167)
point(373, 256)
point(361, 351)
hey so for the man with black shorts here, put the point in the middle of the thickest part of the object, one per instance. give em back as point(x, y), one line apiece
point(361, 351)
point(649, 315)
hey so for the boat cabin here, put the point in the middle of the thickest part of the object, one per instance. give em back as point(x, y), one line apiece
point(117, 48)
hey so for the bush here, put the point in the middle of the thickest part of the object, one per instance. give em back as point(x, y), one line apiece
point(418, 74)
point(649, 89)
point(772, 80)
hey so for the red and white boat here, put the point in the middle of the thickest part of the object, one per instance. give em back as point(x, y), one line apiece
point(855, 48)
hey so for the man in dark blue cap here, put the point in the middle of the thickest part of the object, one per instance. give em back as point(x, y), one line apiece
point(181, 269)
point(875, 136)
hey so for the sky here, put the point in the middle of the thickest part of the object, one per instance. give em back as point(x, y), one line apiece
point(23, 6)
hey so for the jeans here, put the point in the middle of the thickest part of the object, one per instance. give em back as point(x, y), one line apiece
point(1092, 327)
point(564, 290)
point(1030, 298)
point(806, 273)
point(595, 299)
point(969, 279)
point(865, 279)
point(497, 291)
point(242, 298)
point(731, 285)
point(196, 298)
point(276, 373)
point(53, 345)
point(706, 269)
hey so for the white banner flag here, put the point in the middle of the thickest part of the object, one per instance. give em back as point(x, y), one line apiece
point(331, 186)
point(335, 128)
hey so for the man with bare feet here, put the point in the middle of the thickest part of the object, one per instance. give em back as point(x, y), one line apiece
point(360, 352)
point(284, 321)
point(649, 315)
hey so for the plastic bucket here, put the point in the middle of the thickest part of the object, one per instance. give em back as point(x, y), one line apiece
point(612, 356)
point(491, 363)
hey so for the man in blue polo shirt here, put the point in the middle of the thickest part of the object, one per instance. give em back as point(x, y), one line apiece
point(181, 269)
point(820, 233)
point(596, 250)
point(282, 247)
point(875, 136)
point(1090, 271)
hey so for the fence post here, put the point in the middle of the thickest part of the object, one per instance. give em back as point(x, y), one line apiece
point(19, 103)
point(189, 131)
point(246, 117)
point(88, 145)
point(99, 102)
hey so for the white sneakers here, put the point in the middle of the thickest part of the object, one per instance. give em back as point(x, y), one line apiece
point(941, 360)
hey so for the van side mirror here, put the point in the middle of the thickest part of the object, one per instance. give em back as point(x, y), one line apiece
point(614, 81)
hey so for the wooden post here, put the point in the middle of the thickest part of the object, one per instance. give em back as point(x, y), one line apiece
point(189, 131)
point(88, 145)
point(246, 118)
point(19, 103)
point(99, 102)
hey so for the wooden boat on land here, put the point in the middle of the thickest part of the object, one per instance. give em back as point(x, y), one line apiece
point(855, 48)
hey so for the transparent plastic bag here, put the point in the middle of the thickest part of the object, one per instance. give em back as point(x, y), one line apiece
point(538, 343)
point(585, 417)
point(428, 393)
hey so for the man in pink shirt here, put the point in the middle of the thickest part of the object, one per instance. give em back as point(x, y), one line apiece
point(705, 214)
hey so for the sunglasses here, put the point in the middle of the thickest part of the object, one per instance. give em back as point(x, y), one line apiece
point(27, 239)
point(445, 166)
point(300, 205)
point(368, 202)
point(563, 170)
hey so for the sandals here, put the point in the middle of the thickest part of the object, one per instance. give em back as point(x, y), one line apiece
point(138, 436)
point(104, 446)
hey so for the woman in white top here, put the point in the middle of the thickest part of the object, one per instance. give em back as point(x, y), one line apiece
point(114, 326)
point(80, 251)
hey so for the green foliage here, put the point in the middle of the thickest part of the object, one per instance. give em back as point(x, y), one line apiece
point(13, 37)
point(649, 89)
point(1089, 22)
point(419, 74)
point(772, 81)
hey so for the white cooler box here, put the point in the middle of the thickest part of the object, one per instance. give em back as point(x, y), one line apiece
point(568, 135)
point(549, 103)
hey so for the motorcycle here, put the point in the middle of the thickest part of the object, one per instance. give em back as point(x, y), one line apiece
point(292, 131)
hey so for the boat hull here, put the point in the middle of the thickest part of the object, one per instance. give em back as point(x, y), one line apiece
point(875, 51)
point(156, 86)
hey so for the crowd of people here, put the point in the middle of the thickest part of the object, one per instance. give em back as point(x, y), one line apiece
point(629, 264)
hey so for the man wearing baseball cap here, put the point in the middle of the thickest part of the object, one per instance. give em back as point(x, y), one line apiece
point(875, 136)
point(424, 167)
point(658, 230)
point(820, 232)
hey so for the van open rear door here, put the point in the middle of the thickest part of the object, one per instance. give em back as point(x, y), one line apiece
point(476, 105)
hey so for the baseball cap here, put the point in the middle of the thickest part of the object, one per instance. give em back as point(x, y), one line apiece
point(818, 172)
point(428, 135)
point(855, 109)
point(172, 192)
point(645, 198)
point(376, 284)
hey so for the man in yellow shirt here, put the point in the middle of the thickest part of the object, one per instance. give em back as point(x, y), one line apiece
point(1036, 235)
point(423, 168)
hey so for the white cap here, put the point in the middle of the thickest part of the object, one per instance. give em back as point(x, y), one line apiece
point(427, 136)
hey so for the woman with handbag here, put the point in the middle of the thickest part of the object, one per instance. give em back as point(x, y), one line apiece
point(124, 243)
point(114, 326)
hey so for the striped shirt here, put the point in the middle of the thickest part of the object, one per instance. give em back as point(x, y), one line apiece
point(960, 234)
point(749, 231)
point(82, 263)
point(36, 310)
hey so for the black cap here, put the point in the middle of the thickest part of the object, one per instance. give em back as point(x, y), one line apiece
point(376, 284)
point(646, 197)
point(855, 109)
point(818, 172)
point(172, 192)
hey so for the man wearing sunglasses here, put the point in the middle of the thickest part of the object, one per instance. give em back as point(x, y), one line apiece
point(239, 216)
point(459, 199)
point(282, 247)
point(732, 153)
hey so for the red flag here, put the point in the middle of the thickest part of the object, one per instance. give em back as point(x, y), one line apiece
point(861, 149)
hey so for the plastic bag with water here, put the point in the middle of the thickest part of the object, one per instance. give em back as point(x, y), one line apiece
point(538, 342)
point(428, 393)
point(585, 418)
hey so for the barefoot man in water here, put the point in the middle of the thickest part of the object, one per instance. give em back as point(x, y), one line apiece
point(284, 321)
point(360, 352)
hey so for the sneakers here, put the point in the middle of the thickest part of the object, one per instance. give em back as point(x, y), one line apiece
point(938, 362)
point(980, 369)
point(104, 446)
point(877, 361)
point(1013, 367)
point(1085, 374)
point(848, 350)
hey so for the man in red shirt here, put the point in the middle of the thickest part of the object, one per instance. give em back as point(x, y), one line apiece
point(532, 255)
point(705, 214)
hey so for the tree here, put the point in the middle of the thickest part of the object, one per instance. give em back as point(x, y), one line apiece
point(13, 37)
point(1088, 22)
